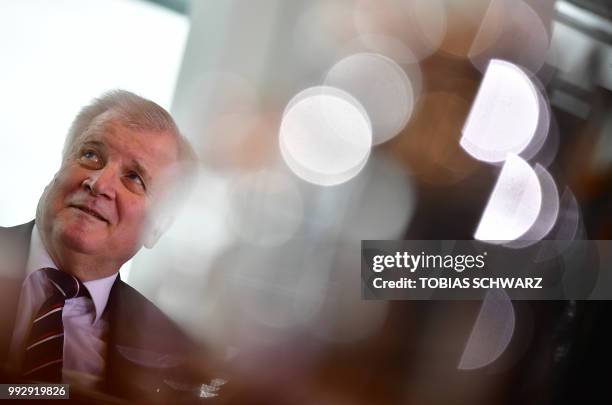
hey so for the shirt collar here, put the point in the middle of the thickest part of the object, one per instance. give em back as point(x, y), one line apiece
point(39, 258)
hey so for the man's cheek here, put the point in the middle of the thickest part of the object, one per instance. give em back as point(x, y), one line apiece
point(132, 217)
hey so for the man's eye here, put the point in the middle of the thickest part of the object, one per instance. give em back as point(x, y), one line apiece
point(134, 177)
point(90, 158)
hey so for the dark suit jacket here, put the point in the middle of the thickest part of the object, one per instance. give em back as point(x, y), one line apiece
point(148, 357)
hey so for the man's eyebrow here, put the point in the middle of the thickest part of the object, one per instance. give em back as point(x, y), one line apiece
point(141, 169)
point(94, 143)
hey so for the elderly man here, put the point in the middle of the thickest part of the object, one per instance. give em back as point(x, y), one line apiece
point(66, 316)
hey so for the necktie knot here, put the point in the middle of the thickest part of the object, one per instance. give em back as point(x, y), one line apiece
point(68, 286)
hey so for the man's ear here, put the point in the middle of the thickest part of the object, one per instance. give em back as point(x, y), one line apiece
point(157, 230)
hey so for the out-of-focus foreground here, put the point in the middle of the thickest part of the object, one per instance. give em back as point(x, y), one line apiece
point(323, 123)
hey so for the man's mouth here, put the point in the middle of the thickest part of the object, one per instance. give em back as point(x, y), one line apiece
point(90, 212)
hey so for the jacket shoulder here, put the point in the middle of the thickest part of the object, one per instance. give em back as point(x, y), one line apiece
point(14, 248)
point(140, 323)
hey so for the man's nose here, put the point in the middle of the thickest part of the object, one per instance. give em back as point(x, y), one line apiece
point(102, 182)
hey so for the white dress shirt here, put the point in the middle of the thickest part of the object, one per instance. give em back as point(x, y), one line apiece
point(85, 325)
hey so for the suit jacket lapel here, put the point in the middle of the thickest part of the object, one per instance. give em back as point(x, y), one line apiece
point(127, 340)
point(114, 366)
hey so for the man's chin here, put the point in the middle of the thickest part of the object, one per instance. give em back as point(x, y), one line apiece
point(80, 239)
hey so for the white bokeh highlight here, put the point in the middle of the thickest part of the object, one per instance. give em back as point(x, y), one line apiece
point(325, 136)
point(514, 204)
point(542, 131)
point(504, 116)
point(548, 152)
point(381, 86)
point(548, 213)
point(492, 331)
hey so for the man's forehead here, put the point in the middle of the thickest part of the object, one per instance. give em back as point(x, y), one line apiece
point(159, 148)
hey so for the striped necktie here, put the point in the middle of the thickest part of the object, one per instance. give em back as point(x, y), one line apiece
point(43, 356)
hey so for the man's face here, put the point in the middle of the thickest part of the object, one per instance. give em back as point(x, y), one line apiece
point(100, 201)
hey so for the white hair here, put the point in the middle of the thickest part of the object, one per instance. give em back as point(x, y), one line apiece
point(131, 111)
